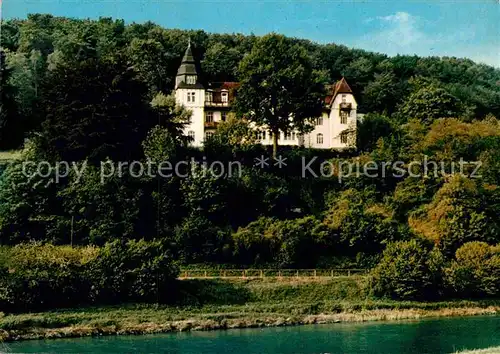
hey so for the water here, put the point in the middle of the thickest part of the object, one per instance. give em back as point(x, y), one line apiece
point(424, 336)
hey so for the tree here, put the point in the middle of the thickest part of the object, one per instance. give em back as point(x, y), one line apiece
point(152, 62)
point(409, 270)
point(475, 271)
point(429, 103)
point(29, 207)
point(221, 62)
point(361, 225)
point(37, 34)
point(231, 137)
point(359, 72)
point(462, 210)
point(27, 75)
point(101, 112)
point(279, 88)
point(171, 116)
point(11, 129)
point(287, 243)
point(381, 94)
point(371, 129)
point(101, 209)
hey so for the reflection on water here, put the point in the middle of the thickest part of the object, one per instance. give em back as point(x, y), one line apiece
point(425, 336)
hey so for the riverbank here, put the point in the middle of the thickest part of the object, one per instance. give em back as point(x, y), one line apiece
point(237, 304)
point(495, 350)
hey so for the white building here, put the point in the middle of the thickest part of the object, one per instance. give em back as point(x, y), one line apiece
point(335, 129)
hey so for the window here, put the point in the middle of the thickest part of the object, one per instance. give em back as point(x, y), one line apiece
point(319, 121)
point(344, 98)
point(343, 117)
point(208, 135)
point(343, 138)
point(293, 135)
point(319, 138)
point(223, 116)
point(261, 135)
point(191, 96)
point(191, 135)
point(208, 96)
point(288, 136)
point(224, 96)
point(191, 80)
point(209, 117)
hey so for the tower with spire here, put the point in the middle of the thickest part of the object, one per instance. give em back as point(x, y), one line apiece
point(187, 74)
point(210, 104)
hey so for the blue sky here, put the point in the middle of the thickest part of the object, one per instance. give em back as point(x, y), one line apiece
point(445, 28)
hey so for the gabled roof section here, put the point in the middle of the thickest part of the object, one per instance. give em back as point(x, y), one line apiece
point(341, 87)
point(329, 89)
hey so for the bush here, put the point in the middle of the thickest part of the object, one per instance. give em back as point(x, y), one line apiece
point(197, 239)
point(36, 277)
point(40, 277)
point(287, 243)
point(409, 270)
point(475, 272)
point(133, 271)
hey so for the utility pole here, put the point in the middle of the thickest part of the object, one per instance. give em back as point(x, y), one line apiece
point(72, 229)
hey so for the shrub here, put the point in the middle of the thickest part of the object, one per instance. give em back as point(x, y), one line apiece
point(475, 271)
point(40, 277)
point(287, 243)
point(197, 239)
point(409, 270)
point(132, 271)
point(36, 276)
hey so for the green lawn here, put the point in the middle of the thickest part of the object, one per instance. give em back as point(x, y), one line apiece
point(495, 350)
point(10, 155)
point(222, 304)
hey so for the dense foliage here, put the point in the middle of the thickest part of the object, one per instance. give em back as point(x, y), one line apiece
point(39, 277)
point(96, 94)
point(415, 87)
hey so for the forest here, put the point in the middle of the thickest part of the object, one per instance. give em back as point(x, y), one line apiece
point(88, 91)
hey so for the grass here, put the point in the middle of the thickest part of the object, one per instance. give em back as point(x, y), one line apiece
point(7, 156)
point(495, 350)
point(236, 304)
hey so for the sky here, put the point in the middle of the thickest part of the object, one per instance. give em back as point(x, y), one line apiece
point(461, 28)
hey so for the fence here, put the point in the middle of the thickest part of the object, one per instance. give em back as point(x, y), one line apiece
point(269, 273)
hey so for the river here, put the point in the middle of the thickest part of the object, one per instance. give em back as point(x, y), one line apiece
point(423, 336)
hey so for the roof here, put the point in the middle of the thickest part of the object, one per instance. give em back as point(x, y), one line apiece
point(330, 89)
point(342, 87)
point(188, 63)
point(227, 85)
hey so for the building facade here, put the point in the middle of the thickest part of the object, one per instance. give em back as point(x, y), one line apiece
point(211, 104)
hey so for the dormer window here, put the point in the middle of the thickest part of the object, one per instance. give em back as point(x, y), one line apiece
point(224, 96)
point(191, 80)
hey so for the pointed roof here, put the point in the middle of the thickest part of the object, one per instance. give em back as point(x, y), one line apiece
point(341, 87)
point(188, 54)
point(188, 64)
